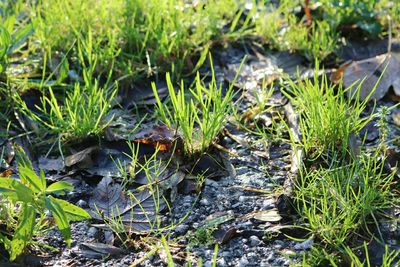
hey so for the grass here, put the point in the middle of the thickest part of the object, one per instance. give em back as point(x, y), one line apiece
point(82, 112)
point(86, 50)
point(151, 36)
point(200, 116)
point(328, 118)
point(344, 193)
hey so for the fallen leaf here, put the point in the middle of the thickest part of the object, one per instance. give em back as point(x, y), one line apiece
point(218, 218)
point(83, 158)
point(6, 173)
point(51, 164)
point(368, 72)
point(271, 215)
point(224, 235)
point(99, 250)
point(138, 211)
point(108, 199)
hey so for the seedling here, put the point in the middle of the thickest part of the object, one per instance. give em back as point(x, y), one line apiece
point(328, 117)
point(199, 118)
point(84, 109)
point(31, 197)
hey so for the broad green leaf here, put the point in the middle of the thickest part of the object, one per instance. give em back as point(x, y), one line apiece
point(73, 213)
point(59, 188)
point(31, 179)
point(15, 190)
point(23, 233)
point(60, 217)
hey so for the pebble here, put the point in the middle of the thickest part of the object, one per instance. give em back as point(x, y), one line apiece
point(210, 182)
point(268, 204)
point(254, 241)
point(221, 262)
point(92, 231)
point(243, 262)
point(204, 202)
point(181, 229)
point(82, 203)
point(242, 198)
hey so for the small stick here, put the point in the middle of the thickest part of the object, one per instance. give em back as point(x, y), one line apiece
point(307, 11)
point(297, 152)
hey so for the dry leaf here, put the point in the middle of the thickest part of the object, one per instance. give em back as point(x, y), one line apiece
point(271, 215)
point(98, 250)
point(368, 72)
point(107, 199)
point(83, 158)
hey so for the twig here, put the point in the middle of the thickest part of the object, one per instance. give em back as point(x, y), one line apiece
point(297, 152)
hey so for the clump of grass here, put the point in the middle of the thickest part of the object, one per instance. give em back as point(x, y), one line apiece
point(341, 203)
point(200, 116)
point(328, 119)
point(84, 108)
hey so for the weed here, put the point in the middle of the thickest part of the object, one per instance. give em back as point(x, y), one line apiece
point(30, 197)
point(84, 108)
point(337, 202)
point(200, 118)
point(327, 117)
point(202, 236)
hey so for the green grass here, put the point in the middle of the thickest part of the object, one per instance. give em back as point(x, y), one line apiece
point(82, 112)
point(328, 118)
point(147, 36)
point(199, 116)
point(25, 203)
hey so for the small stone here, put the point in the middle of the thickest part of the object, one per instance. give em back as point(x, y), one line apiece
point(81, 203)
point(92, 232)
point(271, 256)
point(254, 241)
point(242, 198)
point(221, 262)
point(226, 254)
point(304, 245)
point(181, 229)
point(210, 182)
point(268, 204)
point(278, 244)
point(204, 202)
point(207, 264)
point(243, 262)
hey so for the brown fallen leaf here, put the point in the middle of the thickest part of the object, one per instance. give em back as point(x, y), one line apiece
point(83, 158)
point(224, 235)
point(384, 67)
point(6, 173)
point(160, 137)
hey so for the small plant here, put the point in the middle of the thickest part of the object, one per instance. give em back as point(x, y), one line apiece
point(202, 236)
point(343, 200)
point(327, 117)
point(30, 197)
point(199, 118)
point(85, 106)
